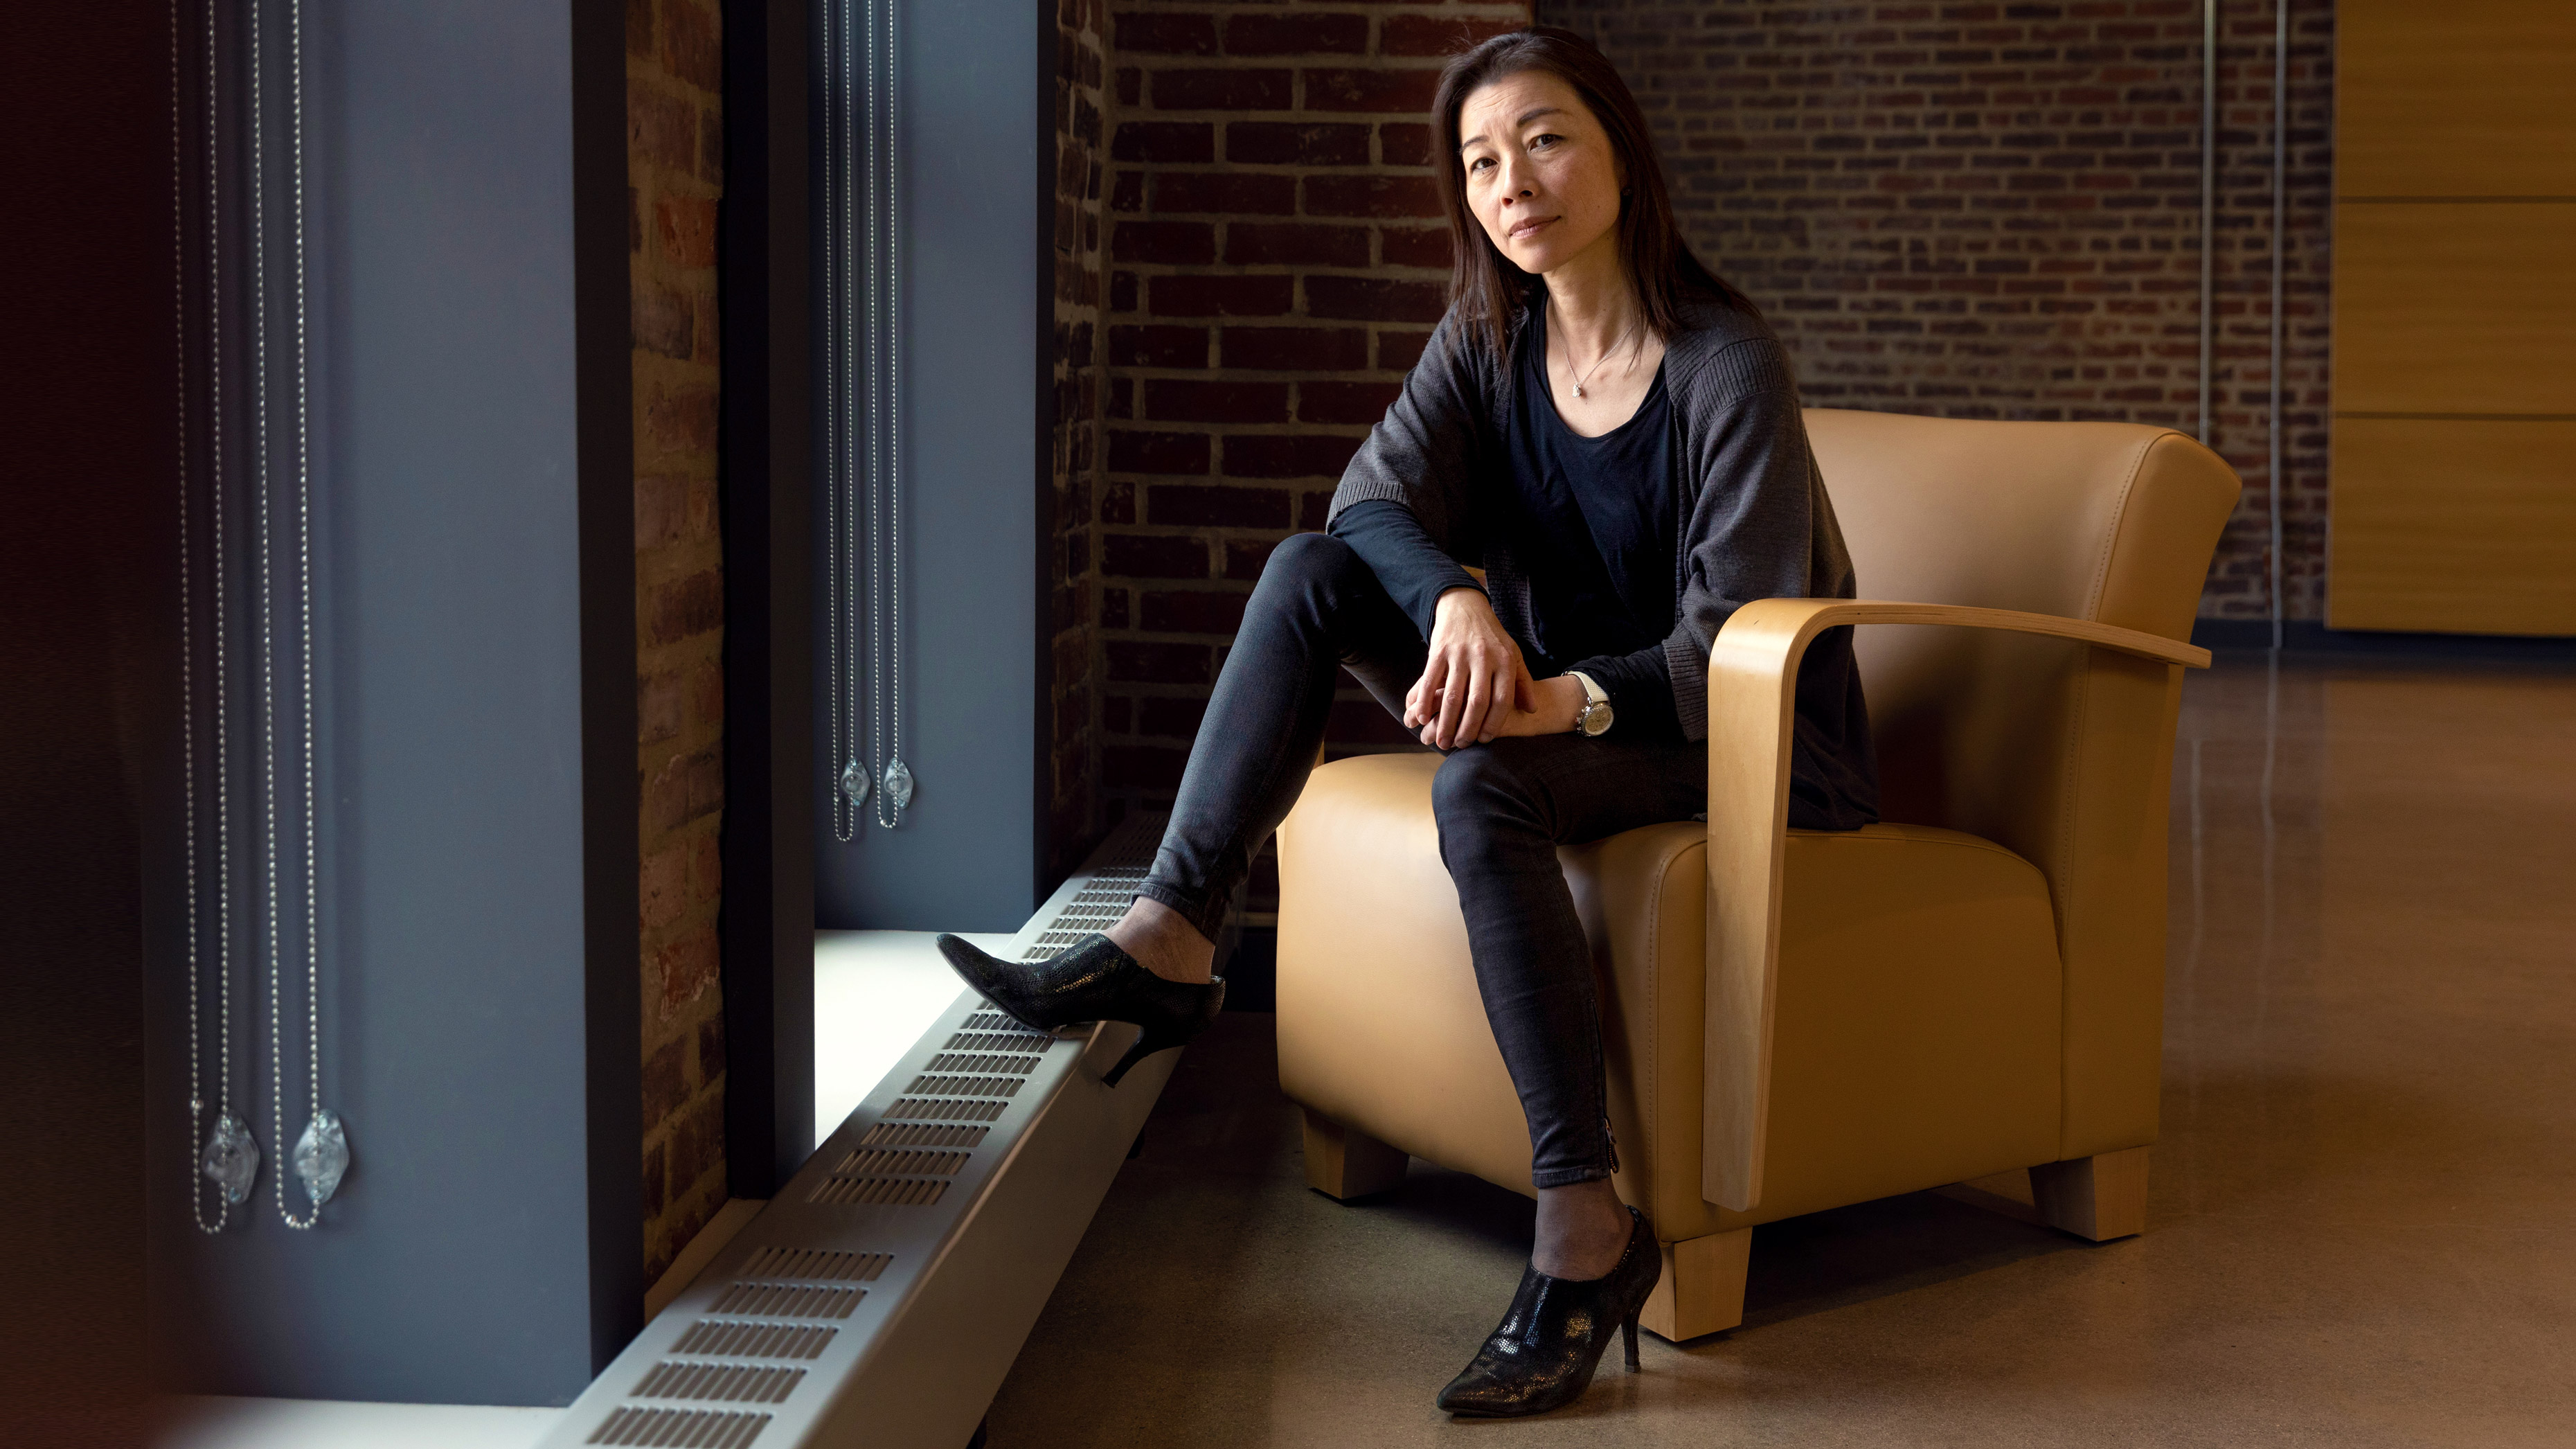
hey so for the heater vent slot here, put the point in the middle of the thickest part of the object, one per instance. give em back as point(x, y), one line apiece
point(788, 1300)
point(873, 1162)
point(816, 1265)
point(880, 1191)
point(893, 1134)
point(720, 1383)
point(967, 1086)
point(988, 1018)
point(982, 1062)
point(1030, 1042)
point(681, 1428)
point(714, 1339)
point(914, 1109)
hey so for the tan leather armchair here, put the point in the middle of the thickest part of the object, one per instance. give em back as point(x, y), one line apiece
point(1798, 1020)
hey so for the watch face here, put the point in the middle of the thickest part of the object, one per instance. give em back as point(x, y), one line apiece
point(1595, 718)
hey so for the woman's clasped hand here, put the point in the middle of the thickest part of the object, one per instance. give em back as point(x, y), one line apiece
point(1476, 686)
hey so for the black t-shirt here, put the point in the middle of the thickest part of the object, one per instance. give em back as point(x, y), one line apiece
point(1595, 524)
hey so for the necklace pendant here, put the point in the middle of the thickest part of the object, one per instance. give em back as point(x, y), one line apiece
point(898, 784)
point(231, 1158)
point(854, 782)
point(322, 1155)
point(1578, 389)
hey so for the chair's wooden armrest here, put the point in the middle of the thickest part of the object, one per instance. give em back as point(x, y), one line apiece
point(1752, 700)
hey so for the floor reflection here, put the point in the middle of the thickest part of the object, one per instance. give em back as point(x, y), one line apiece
point(2360, 1203)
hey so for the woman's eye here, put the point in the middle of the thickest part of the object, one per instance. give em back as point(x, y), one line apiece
point(1479, 164)
point(1538, 143)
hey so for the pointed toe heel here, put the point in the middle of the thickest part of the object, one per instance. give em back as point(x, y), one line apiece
point(1543, 1354)
point(1091, 980)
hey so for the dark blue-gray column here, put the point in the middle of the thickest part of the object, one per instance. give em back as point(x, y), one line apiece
point(977, 87)
point(478, 753)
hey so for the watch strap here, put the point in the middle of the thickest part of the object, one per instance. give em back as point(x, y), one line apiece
point(1596, 701)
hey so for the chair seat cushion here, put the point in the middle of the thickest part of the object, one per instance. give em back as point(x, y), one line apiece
point(1916, 1035)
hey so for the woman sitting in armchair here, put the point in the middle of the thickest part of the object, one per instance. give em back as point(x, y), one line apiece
point(1614, 433)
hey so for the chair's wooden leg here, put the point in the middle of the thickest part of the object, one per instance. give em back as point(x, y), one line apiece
point(2100, 1197)
point(1702, 1289)
point(1345, 1162)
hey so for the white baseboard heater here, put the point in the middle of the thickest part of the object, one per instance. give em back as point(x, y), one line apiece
point(881, 1297)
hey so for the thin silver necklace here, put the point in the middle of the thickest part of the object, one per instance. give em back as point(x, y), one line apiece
point(863, 488)
point(229, 1157)
point(850, 785)
point(321, 1155)
point(267, 589)
point(1596, 362)
point(894, 775)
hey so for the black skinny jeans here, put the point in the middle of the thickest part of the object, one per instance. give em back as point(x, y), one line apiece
point(1503, 808)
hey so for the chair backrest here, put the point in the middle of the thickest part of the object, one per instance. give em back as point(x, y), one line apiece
point(2059, 752)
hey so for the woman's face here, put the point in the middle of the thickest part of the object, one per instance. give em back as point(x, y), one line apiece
point(1541, 174)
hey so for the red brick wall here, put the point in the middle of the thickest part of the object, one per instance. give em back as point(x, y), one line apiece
point(1081, 133)
point(674, 151)
point(1276, 259)
point(1993, 210)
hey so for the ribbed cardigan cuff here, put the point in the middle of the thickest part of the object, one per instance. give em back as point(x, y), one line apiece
point(1363, 490)
point(1687, 664)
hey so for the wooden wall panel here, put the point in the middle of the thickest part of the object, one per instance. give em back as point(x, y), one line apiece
point(2454, 526)
point(2454, 97)
point(2455, 308)
point(2452, 492)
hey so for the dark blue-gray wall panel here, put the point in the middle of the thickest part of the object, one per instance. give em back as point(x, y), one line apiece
point(964, 858)
point(456, 1265)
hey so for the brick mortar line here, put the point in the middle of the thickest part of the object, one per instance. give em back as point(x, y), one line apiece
point(1353, 432)
point(1401, 271)
point(1298, 114)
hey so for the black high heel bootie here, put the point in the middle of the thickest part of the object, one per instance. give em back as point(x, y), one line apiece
point(1542, 1355)
point(1092, 980)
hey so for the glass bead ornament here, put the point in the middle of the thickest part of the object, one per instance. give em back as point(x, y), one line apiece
point(854, 781)
point(231, 1158)
point(898, 784)
point(322, 1155)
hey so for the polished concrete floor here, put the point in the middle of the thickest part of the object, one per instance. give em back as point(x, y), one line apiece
point(2359, 1229)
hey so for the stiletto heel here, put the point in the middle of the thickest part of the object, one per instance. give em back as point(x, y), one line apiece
point(1092, 981)
point(1148, 1042)
point(1542, 1355)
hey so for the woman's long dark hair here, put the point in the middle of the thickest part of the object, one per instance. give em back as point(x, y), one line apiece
point(1485, 289)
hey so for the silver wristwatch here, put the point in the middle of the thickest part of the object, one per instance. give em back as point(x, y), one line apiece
point(1594, 717)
